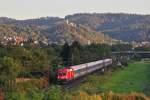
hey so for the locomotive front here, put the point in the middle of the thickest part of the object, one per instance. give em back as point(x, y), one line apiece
point(65, 74)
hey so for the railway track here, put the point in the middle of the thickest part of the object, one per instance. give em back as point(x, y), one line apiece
point(69, 85)
point(73, 83)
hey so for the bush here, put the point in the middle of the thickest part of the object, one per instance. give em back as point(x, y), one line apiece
point(54, 93)
point(35, 95)
point(137, 57)
point(16, 96)
point(132, 96)
point(85, 96)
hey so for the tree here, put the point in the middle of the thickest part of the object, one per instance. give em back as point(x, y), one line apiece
point(75, 54)
point(65, 54)
point(121, 47)
point(143, 48)
point(39, 60)
point(9, 70)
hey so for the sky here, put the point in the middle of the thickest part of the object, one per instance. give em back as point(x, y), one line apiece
point(27, 9)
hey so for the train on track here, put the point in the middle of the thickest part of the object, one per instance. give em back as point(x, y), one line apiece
point(73, 72)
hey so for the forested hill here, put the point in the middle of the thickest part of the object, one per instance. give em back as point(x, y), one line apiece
point(39, 21)
point(126, 27)
point(85, 28)
point(51, 30)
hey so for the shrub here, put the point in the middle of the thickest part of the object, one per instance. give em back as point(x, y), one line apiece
point(16, 96)
point(54, 93)
point(35, 95)
point(85, 96)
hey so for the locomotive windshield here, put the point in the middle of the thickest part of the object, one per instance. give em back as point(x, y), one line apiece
point(61, 74)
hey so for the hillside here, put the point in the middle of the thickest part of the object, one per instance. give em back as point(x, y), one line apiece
point(68, 32)
point(51, 30)
point(126, 27)
point(85, 28)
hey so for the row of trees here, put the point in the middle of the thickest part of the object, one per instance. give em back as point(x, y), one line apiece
point(77, 54)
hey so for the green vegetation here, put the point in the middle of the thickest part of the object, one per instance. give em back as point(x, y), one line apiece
point(110, 96)
point(33, 93)
point(78, 54)
point(122, 47)
point(134, 78)
point(9, 70)
point(25, 71)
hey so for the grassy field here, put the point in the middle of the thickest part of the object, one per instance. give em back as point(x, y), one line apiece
point(134, 78)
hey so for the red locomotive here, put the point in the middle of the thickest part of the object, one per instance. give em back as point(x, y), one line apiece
point(65, 74)
point(73, 72)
